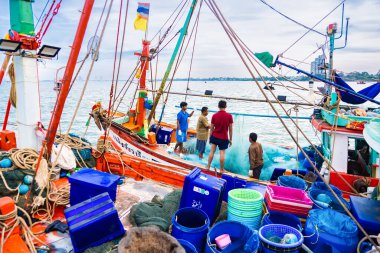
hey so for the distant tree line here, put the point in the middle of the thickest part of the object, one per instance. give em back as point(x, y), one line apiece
point(352, 76)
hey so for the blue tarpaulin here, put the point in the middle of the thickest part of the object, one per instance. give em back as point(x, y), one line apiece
point(371, 92)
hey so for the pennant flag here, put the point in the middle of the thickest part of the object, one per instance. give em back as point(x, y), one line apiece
point(266, 58)
point(141, 21)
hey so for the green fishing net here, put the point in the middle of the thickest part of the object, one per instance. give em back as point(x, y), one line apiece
point(158, 212)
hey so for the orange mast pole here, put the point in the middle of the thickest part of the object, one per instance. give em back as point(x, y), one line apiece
point(142, 93)
point(67, 77)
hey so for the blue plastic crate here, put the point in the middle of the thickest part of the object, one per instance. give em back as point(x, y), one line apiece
point(367, 213)
point(232, 182)
point(163, 135)
point(93, 222)
point(203, 191)
point(87, 183)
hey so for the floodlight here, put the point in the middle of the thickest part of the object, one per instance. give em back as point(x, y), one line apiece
point(9, 45)
point(48, 51)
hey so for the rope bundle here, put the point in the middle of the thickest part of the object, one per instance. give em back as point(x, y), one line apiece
point(14, 223)
point(24, 158)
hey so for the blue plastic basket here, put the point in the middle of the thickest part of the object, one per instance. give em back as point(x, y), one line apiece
point(282, 218)
point(334, 204)
point(292, 182)
point(279, 230)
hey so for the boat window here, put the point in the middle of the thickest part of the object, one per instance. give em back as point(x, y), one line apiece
point(358, 157)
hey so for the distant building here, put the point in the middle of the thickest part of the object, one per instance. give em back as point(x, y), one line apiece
point(318, 66)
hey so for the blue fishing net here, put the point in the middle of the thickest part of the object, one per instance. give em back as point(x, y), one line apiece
point(331, 222)
point(236, 159)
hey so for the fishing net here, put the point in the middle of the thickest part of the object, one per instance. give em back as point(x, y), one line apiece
point(331, 222)
point(158, 212)
point(236, 159)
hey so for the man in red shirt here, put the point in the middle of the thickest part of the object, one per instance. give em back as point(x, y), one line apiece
point(221, 128)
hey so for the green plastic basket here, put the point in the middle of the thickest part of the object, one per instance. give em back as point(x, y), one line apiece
point(244, 213)
point(245, 196)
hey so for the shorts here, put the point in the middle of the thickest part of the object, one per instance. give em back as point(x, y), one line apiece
point(222, 144)
point(181, 138)
point(257, 171)
point(201, 146)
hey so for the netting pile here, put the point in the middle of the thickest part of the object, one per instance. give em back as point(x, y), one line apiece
point(158, 212)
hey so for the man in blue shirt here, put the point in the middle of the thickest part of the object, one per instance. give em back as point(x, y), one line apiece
point(182, 126)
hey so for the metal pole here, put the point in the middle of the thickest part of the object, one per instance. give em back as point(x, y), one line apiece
point(67, 77)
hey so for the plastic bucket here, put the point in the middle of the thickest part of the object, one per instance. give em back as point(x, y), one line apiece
point(279, 230)
point(191, 224)
point(317, 195)
point(243, 239)
point(189, 248)
point(322, 186)
point(282, 218)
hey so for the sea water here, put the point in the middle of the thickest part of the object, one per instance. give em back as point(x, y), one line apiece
point(271, 132)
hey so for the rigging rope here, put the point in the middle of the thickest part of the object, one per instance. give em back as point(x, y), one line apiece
point(287, 17)
point(171, 15)
point(233, 38)
point(121, 53)
point(115, 59)
point(192, 53)
point(38, 21)
point(328, 14)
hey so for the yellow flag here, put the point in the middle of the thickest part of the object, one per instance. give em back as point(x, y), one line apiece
point(141, 23)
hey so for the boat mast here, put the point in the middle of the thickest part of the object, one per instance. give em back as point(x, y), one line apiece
point(28, 111)
point(174, 55)
point(140, 106)
point(67, 77)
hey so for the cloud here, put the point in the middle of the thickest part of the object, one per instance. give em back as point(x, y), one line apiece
point(260, 27)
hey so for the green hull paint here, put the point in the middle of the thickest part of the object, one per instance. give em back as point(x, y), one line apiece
point(343, 121)
point(21, 16)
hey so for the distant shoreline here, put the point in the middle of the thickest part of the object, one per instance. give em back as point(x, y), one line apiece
point(350, 77)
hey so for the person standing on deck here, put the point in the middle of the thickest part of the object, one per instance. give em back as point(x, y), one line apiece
point(202, 132)
point(182, 126)
point(255, 154)
point(220, 130)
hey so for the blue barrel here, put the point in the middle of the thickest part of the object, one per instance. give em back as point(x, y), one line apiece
point(191, 224)
point(282, 218)
point(278, 231)
point(243, 239)
point(189, 248)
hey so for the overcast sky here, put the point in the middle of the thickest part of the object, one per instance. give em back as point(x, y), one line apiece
point(259, 26)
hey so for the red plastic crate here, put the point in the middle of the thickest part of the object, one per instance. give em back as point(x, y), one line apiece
point(299, 211)
point(289, 196)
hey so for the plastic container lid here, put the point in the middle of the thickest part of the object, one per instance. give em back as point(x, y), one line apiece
point(94, 178)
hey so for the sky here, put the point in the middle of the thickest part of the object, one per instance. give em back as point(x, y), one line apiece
point(260, 27)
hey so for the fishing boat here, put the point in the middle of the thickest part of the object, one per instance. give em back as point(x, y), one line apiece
point(360, 82)
point(136, 145)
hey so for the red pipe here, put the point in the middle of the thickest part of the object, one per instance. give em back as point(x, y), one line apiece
point(2, 73)
point(67, 77)
point(5, 123)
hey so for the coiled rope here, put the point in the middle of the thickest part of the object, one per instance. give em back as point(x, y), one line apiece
point(15, 221)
